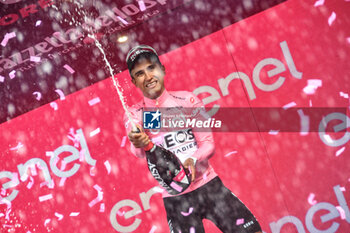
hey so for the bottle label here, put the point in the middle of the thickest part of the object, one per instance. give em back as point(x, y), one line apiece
point(180, 175)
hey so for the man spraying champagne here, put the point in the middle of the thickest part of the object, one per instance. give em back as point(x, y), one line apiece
point(206, 194)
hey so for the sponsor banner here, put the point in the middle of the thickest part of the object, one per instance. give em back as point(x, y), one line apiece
point(67, 166)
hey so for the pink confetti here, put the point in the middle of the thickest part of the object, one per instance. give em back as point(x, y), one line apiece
point(176, 186)
point(47, 221)
point(331, 18)
point(312, 85)
point(192, 230)
point(319, 3)
point(96, 131)
point(122, 144)
point(37, 95)
point(7, 37)
point(273, 132)
point(311, 200)
point(45, 197)
point(341, 212)
point(37, 23)
point(342, 189)
point(102, 207)
point(122, 20)
point(239, 221)
point(12, 74)
point(70, 70)
point(19, 145)
point(290, 105)
point(142, 5)
point(99, 196)
point(54, 105)
point(304, 122)
point(74, 137)
point(35, 59)
point(59, 216)
point(187, 213)
point(61, 94)
point(2, 78)
point(108, 166)
point(153, 229)
point(345, 95)
point(73, 214)
point(341, 150)
point(30, 183)
point(94, 101)
point(230, 153)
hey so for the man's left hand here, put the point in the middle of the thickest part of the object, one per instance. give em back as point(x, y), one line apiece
point(190, 166)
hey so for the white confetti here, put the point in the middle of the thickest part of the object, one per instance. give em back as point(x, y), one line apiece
point(19, 145)
point(37, 95)
point(102, 207)
point(35, 59)
point(108, 166)
point(312, 85)
point(61, 94)
point(304, 123)
point(142, 5)
point(59, 216)
point(96, 131)
point(73, 214)
point(45, 197)
point(153, 229)
point(273, 132)
point(70, 70)
point(311, 199)
point(122, 20)
point(122, 144)
point(7, 37)
point(230, 153)
point(2, 78)
point(331, 18)
point(341, 212)
point(47, 221)
point(12, 74)
point(37, 23)
point(290, 105)
point(94, 101)
point(54, 105)
point(341, 150)
point(319, 3)
point(343, 94)
point(99, 196)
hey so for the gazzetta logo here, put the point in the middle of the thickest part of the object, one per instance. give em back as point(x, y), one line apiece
point(151, 119)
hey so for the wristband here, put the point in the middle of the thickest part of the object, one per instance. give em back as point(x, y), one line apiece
point(149, 146)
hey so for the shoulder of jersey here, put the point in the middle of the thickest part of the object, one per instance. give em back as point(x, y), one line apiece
point(186, 97)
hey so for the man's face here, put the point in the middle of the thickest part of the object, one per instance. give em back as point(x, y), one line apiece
point(149, 77)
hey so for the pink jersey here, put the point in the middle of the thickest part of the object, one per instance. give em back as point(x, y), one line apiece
point(185, 143)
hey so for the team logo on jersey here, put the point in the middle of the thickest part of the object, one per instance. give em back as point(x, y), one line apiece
point(152, 119)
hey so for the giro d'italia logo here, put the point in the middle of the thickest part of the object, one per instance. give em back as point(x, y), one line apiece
point(151, 119)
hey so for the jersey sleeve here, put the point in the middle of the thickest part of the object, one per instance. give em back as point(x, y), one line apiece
point(139, 152)
point(204, 139)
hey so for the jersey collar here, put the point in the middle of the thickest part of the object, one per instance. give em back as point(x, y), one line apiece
point(156, 102)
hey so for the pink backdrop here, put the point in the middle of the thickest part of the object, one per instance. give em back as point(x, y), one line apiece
point(289, 180)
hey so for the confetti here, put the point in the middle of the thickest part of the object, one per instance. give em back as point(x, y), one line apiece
point(96, 131)
point(341, 212)
point(19, 145)
point(61, 94)
point(49, 184)
point(30, 183)
point(45, 197)
point(342, 189)
point(153, 229)
point(331, 18)
point(345, 95)
point(311, 200)
point(273, 132)
point(47, 221)
point(2, 78)
point(54, 105)
point(62, 181)
point(108, 166)
point(37, 95)
point(310, 103)
point(239, 221)
point(70, 70)
point(176, 186)
point(122, 20)
point(312, 85)
point(192, 230)
point(319, 3)
point(7, 37)
point(121, 213)
point(73, 214)
point(304, 122)
point(12, 74)
point(341, 150)
point(92, 171)
point(94, 101)
point(187, 213)
point(122, 144)
point(292, 104)
point(35, 59)
point(59, 216)
point(99, 196)
point(37, 23)
point(49, 153)
point(230, 153)
point(142, 5)
point(102, 207)
point(328, 138)
point(348, 40)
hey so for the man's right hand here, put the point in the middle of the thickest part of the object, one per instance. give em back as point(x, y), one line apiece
point(139, 139)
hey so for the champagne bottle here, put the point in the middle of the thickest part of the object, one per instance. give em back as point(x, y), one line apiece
point(167, 169)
